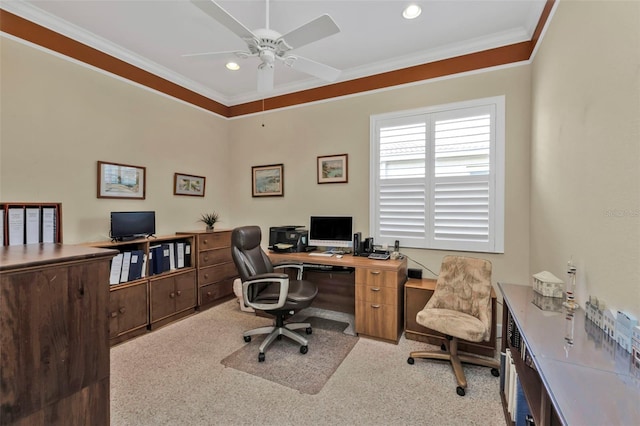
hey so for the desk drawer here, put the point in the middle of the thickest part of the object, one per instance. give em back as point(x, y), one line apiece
point(216, 273)
point(214, 257)
point(376, 294)
point(376, 277)
point(377, 320)
point(214, 240)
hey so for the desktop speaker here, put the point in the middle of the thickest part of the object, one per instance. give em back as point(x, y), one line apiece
point(357, 240)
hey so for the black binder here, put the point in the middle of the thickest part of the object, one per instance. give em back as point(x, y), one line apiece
point(135, 266)
point(167, 250)
point(187, 255)
point(155, 266)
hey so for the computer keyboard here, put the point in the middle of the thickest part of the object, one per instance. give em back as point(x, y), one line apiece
point(321, 254)
point(379, 256)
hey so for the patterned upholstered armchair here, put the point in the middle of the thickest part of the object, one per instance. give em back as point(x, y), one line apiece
point(460, 308)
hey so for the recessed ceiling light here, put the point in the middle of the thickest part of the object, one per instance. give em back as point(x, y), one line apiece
point(233, 66)
point(412, 11)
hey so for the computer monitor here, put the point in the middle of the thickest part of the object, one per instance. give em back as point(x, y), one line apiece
point(130, 225)
point(331, 231)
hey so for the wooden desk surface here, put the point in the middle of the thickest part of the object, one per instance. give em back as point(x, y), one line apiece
point(347, 260)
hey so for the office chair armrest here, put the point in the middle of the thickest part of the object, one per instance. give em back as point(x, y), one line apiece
point(282, 279)
point(291, 264)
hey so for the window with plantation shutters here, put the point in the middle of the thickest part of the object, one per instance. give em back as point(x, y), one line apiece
point(437, 177)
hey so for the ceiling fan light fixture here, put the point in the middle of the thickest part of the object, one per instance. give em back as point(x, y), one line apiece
point(233, 66)
point(412, 11)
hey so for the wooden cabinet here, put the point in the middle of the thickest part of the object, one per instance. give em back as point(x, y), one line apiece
point(378, 303)
point(417, 294)
point(54, 335)
point(172, 297)
point(215, 268)
point(140, 304)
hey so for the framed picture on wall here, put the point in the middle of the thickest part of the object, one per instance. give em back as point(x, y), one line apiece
point(121, 181)
point(188, 185)
point(267, 181)
point(333, 169)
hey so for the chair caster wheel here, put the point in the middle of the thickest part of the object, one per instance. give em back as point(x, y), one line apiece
point(279, 337)
point(495, 372)
point(304, 349)
point(410, 361)
point(460, 391)
point(308, 330)
point(247, 339)
point(261, 357)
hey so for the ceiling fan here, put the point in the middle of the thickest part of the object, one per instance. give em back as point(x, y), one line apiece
point(269, 45)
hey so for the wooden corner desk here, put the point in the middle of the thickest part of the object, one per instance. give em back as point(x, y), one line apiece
point(373, 290)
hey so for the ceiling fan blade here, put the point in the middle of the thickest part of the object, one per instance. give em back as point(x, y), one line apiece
point(265, 78)
point(212, 9)
point(312, 31)
point(316, 69)
point(229, 52)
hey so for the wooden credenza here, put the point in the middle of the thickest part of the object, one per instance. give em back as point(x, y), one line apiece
point(151, 301)
point(379, 289)
point(54, 335)
point(215, 268)
point(417, 294)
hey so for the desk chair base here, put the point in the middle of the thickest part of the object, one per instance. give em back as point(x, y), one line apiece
point(277, 330)
point(450, 348)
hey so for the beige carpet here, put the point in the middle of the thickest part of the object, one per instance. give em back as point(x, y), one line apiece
point(285, 365)
point(174, 377)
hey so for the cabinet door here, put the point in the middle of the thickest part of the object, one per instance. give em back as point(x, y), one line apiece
point(128, 309)
point(163, 297)
point(54, 340)
point(185, 291)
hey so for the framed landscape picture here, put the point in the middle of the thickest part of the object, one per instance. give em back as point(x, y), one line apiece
point(333, 169)
point(188, 185)
point(267, 181)
point(121, 181)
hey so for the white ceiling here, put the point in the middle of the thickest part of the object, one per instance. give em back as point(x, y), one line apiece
point(374, 38)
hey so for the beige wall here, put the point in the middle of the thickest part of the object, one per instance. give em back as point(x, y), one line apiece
point(295, 137)
point(585, 186)
point(59, 118)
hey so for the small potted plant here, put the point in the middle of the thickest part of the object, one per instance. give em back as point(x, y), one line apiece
point(210, 220)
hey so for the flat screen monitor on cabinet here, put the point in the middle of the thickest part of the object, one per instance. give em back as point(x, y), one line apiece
point(130, 225)
point(331, 231)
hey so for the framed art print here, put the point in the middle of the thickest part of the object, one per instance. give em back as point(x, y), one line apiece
point(188, 185)
point(333, 169)
point(121, 181)
point(267, 181)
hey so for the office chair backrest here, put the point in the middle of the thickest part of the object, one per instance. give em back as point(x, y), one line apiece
point(247, 254)
point(464, 285)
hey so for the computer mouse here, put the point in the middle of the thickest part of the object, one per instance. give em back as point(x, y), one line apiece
point(338, 256)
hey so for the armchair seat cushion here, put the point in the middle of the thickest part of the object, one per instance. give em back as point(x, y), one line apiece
point(453, 323)
point(300, 292)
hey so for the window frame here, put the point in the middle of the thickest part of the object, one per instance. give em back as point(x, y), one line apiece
point(496, 176)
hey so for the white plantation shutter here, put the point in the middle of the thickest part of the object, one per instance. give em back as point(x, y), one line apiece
point(437, 177)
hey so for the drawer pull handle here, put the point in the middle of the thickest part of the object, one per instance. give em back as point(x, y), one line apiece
point(114, 314)
point(122, 310)
point(375, 272)
point(172, 295)
point(375, 306)
point(179, 292)
point(206, 276)
point(375, 289)
point(208, 293)
point(206, 258)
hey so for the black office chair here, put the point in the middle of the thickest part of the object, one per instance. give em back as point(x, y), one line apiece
point(269, 291)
